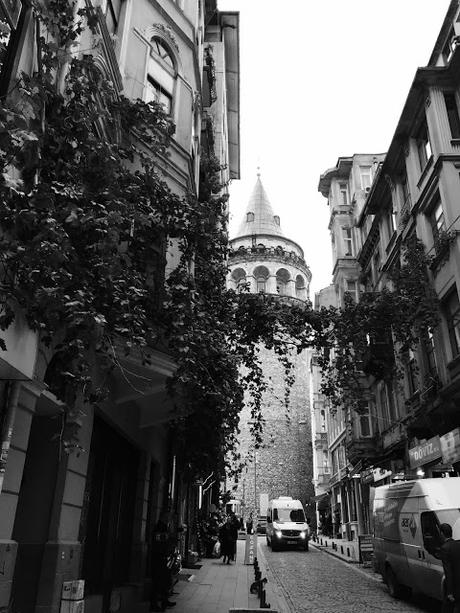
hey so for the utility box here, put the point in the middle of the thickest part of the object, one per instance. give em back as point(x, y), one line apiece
point(72, 596)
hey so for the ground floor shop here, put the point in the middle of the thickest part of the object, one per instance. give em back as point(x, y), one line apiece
point(87, 516)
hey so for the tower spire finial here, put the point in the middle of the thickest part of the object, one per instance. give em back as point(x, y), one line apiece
point(258, 171)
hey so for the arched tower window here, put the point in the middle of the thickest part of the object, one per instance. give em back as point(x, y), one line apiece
point(239, 279)
point(261, 275)
point(282, 280)
point(276, 219)
point(300, 287)
point(249, 216)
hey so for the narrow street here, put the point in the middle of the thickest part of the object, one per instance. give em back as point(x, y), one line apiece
point(317, 581)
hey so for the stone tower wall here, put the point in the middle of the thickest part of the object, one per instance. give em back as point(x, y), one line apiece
point(284, 463)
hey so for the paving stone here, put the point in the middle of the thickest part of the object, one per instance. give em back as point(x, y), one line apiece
point(314, 581)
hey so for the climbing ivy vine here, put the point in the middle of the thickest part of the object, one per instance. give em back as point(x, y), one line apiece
point(86, 215)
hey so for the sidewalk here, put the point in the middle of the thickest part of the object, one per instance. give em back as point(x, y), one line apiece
point(219, 588)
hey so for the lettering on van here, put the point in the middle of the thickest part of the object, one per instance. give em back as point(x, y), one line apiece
point(408, 523)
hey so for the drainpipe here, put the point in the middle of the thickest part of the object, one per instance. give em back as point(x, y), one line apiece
point(12, 397)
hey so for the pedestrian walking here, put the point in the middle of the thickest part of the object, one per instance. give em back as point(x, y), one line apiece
point(160, 548)
point(228, 535)
point(249, 524)
point(450, 557)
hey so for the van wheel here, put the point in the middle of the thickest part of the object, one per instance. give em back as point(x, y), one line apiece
point(274, 546)
point(394, 587)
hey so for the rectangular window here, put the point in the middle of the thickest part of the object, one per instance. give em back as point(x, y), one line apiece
point(406, 192)
point(112, 15)
point(423, 145)
point(365, 423)
point(452, 313)
point(343, 193)
point(156, 93)
point(452, 114)
point(447, 49)
point(376, 265)
point(365, 173)
point(411, 372)
point(351, 287)
point(347, 234)
point(438, 222)
point(429, 352)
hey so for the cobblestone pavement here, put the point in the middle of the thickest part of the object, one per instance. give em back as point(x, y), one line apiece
point(315, 581)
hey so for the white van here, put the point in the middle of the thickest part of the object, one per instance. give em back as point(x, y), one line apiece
point(286, 524)
point(406, 517)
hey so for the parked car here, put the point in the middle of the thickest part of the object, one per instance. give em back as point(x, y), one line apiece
point(262, 524)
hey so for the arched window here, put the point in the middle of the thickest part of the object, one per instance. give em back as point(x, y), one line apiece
point(276, 219)
point(282, 280)
point(300, 287)
point(239, 279)
point(249, 216)
point(261, 276)
point(161, 74)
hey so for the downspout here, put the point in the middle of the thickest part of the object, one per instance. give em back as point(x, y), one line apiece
point(12, 397)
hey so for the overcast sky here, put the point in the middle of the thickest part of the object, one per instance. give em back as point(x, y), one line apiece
point(321, 79)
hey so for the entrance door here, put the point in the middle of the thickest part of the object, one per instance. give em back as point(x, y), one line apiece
point(107, 521)
point(33, 514)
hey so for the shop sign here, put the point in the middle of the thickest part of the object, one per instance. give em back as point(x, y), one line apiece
point(450, 446)
point(381, 473)
point(425, 453)
point(367, 476)
point(366, 548)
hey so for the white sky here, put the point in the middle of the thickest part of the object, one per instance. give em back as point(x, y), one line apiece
point(321, 79)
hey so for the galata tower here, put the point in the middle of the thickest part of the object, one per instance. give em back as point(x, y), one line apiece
point(262, 257)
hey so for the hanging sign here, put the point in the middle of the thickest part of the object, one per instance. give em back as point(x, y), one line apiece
point(450, 446)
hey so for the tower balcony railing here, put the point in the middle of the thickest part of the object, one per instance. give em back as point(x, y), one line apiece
point(263, 250)
point(294, 300)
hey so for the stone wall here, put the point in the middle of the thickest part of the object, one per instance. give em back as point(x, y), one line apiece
point(284, 464)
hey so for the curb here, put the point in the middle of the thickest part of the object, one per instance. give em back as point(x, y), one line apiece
point(275, 587)
point(331, 552)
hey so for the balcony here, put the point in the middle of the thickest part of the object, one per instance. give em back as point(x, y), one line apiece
point(395, 434)
point(321, 440)
point(323, 477)
point(359, 447)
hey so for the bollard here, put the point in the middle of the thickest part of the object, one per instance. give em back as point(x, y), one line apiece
point(263, 601)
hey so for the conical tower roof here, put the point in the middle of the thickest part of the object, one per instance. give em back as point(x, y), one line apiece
point(259, 217)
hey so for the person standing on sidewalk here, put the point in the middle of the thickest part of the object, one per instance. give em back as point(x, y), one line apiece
point(249, 524)
point(450, 557)
point(228, 535)
point(160, 548)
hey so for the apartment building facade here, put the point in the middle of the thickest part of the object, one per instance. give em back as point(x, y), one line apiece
point(411, 429)
point(88, 516)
